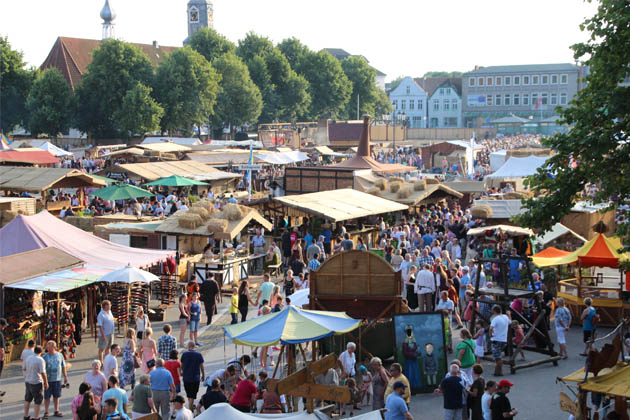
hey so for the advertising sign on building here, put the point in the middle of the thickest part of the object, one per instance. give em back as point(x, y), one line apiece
point(476, 100)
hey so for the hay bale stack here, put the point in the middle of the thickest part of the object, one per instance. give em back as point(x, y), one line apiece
point(381, 184)
point(395, 179)
point(374, 191)
point(394, 187)
point(202, 212)
point(217, 225)
point(404, 192)
point(190, 220)
point(517, 195)
point(233, 212)
point(206, 204)
point(481, 212)
point(432, 181)
point(420, 185)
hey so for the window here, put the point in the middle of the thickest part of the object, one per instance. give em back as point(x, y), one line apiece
point(412, 103)
point(545, 98)
point(534, 98)
point(408, 90)
point(517, 99)
point(525, 80)
point(507, 99)
point(554, 99)
point(395, 104)
point(497, 100)
point(554, 79)
point(497, 80)
point(441, 91)
point(516, 80)
point(436, 105)
point(420, 104)
point(403, 104)
point(526, 99)
point(489, 81)
point(480, 81)
point(471, 81)
point(489, 100)
point(535, 80)
point(454, 104)
point(564, 79)
point(508, 81)
point(563, 99)
point(545, 79)
point(446, 105)
point(193, 13)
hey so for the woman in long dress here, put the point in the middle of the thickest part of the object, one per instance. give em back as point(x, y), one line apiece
point(379, 383)
point(127, 368)
point(148, 350)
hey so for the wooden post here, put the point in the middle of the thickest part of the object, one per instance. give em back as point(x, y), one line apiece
point(290, 371)
point(58, 321)
point(579, 280)
point(278, 361)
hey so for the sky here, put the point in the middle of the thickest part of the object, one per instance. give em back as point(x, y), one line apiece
point(398, 37)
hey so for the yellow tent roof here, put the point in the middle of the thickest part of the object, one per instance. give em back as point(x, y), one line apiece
point(601, 251)
point(613, 381)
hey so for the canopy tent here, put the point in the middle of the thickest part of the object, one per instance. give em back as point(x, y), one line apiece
point(186, 141)
point(502, 209)
point(26, 233)
point(283, 158)
point(49, 147)
point(129, 275)
point(291, 326)
point(36, 180)
point(176, 181)
point(225, 411)
point(121, 192)
point(164, 147)
point(327, 151)
point(517, 167)
point(512, 230)
point(551, 252)
point(136, 151)
point(152, 171)
point(497, 159)
point(64, 280)
point(556, 232)
point(4, 142)
point(610, 381)
point(600, 251)
point(32, 157)
point(26, 265)
point(339, 205)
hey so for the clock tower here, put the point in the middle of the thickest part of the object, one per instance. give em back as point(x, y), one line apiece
point(199, 15)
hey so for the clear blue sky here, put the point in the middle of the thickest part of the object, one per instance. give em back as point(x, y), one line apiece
point(399, 37)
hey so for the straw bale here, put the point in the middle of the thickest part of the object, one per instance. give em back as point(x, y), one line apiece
point(420, 185)
point(233, 212)
point(202, 212)
point(395, 179)
point(206, 204)
point(190, 221)
point(432, 181)
point(217, 225)
point(404, 192)
point(517, 195)
point(481, 212)
point(394, 187)
point(381, 184)
point(374, 191)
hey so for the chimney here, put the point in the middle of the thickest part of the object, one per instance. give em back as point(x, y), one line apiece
point(156, 45)
point(364, 141)
point(476, 67)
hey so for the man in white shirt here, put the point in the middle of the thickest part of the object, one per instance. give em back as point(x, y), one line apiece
point(105, 329)
point(181, 412)
point(404, 266)
point(110, 365)
point(348, 360)
point(36, 382)
point(424, 288)
point(498, 333)
point(27, 352)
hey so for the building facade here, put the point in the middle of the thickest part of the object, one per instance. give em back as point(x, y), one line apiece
point(200, 14)
point(444, 104)
point(530, 91)
point(409, 100)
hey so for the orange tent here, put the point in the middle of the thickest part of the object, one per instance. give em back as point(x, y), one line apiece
point(551, 252)
point(600, 251)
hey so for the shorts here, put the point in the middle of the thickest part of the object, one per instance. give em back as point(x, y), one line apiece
point(327, 248)
point(105, 343)
point(194, 325)
point(183, 322)
point(192, 389)
point(587, 335)
point(561, 335)
point(178, 388)
point(34, 392)
point(498, 347)
point(241, 408)
point(54, 390)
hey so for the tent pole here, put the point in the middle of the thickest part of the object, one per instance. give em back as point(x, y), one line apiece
point(278, 361)
point(58, 321)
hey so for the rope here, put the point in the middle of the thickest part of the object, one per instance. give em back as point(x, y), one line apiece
point(609, 334)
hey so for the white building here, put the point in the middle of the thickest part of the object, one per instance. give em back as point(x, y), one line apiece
point(411, 100)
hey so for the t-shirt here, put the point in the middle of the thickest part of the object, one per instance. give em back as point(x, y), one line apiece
point(106, 320)
point(184, 414)
point(118, 394)
point(347, 244)
point(109, 365)
point(266, 288)
point(452, 388)
point(234, 304)
point(485, 406)
point(25, 355)
point(191, 363)
point(469, 354)
point(208, 290)
point(396, 407)
point(500, 324)
point(212, 397)
point(161, 379)
point(173, 367)
point(54, 366)
point(141, 393)
point(499, 405)
point(243, 394)
point(563, 314)
point(348, 361)
point(35, 366)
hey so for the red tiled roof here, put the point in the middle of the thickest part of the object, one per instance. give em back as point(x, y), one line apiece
point(72, 56)
point(42, 157)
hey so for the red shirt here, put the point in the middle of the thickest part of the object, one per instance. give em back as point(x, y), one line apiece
point(173, 367)
point(243, 394)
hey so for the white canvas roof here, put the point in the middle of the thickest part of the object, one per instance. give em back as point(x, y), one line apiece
point(502, 209)
point(519, 167)
point(556, 231)
point(186, 141)
point(497, 159)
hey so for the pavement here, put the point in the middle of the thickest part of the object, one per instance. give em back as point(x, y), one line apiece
point(535, 393)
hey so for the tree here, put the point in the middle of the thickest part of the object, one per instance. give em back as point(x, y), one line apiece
point(430, 74)
point(382, 105)
point(15, 84)
point(139, 113)
point(186, 87)
point(115, 69)
point(363, 81)
point(294, 51)
point(395, 83)
point(253, 45)
point(239, 101)
point(599, 126)
point(211, 44)
point(49, 105)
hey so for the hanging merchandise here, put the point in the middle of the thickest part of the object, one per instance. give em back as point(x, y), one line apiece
point(21, 308)
point(119, 297)
point(59, 326)
point(139, 297)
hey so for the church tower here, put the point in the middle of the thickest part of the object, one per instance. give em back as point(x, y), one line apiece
point(108, 15)
point(199, 15)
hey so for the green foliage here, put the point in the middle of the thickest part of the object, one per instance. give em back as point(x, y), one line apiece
point(115, 69)
point(186, 87)
point(362, 77)
point(139, 113)
point(382, 105)
point(253, 45)
point(239, 100)
point(599, 123)
point(49, 104)
point(211, 44)
point(16, 83)
point(295, 52)
point(430, 74)
point(395, 83)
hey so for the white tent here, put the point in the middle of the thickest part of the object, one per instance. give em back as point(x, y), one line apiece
point(519, 167)
point(54, 150)
point(497, 159)
point(184, 141)
point(225, 411)
point(282, 158)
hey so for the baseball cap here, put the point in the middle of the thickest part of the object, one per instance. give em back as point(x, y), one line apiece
point(505, 383)
point(399, 384)
point(465, 268)
point(179, 399)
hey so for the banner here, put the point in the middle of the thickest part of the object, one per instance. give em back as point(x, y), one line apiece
point(476, 100)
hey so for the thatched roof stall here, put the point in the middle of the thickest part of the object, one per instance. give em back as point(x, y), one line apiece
point(37, 180)
point(417, 193)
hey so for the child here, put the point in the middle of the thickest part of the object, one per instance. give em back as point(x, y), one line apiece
point(480, 339)
point(264, 303)
point(355, 396)
point(234, 306)
point(366, 384)
point(519, 336)
point(486, 399)
point(175, 367)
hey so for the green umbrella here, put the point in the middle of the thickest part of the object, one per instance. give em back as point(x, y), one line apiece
point(176, 181)
point(103, 178)
point(121, 192)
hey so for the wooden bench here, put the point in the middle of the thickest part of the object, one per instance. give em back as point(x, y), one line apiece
point(273, 270)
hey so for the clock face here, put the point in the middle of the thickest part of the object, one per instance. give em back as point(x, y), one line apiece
point(194, 15)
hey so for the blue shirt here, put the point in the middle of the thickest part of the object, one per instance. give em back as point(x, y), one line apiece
point(161, 379)
point(308, 239)
point(191, 363)
point(54, 366)
point(427, 239)
point(396, 407)
point(452, 388)
point(327, 234)
point(116, 393)
point(586, 326)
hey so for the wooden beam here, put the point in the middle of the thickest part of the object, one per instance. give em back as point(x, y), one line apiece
point(322, 392)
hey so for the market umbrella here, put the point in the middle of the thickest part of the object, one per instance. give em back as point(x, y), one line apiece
point(291, 326)
point(121, 192)
point(129, 275)
point(176, 181)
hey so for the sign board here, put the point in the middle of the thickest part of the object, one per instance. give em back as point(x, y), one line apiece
point(476, 100)
point(117, 175)
point(254, 167)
